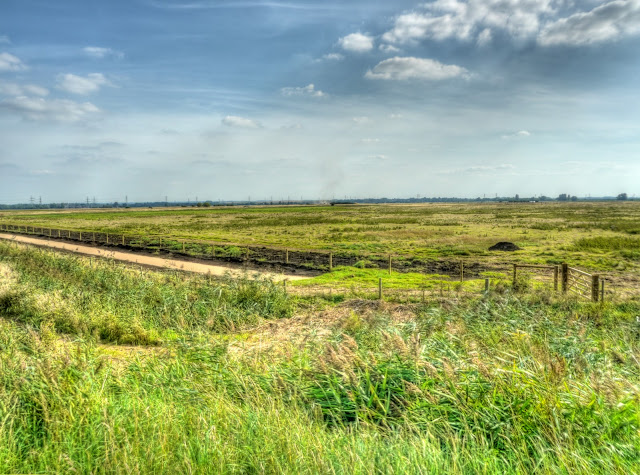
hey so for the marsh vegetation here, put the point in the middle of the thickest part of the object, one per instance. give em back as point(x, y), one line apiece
point(107, 368)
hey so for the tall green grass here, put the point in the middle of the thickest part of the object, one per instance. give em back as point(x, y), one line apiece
point(114, 303)
point(500, 384)
point(608, 243)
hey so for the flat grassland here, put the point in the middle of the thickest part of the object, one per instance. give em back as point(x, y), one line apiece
point(106, 368)
point(611, 229)
point(602, 237)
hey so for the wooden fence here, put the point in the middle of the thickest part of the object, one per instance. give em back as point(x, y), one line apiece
point(576, 281)
point(582, 283)
point(554, 269)
point(207, 250)
point(322, 260)
point(572, 280)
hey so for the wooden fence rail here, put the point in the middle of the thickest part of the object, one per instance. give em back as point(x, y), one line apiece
point(572, 280)
point(313, 259)
point(531, 266)
point(582, 283)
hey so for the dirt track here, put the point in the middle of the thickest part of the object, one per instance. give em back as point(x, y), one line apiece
point(145, 260)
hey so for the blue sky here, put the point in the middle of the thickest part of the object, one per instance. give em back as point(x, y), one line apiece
point(233, 99)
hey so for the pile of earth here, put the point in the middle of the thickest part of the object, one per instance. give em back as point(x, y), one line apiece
point(504, 246)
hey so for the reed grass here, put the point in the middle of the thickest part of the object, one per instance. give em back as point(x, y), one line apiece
point(524, 383)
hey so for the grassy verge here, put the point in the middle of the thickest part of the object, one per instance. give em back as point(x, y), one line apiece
point(114, 303)
point(503, 384)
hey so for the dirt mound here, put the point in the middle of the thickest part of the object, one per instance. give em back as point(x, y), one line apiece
point(504, 246)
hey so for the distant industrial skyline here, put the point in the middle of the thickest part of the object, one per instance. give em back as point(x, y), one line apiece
point(229, 99)
point(32, 203)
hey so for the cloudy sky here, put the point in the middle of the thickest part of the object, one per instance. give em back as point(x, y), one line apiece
point(230, 99)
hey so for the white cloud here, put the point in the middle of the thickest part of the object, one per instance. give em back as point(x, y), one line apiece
point(468, 20)
point(607, 22)
point(54, 110)
point(309, 90)
point(295, 126)
point(9, 62)
point(389, 49)
point(370, 140)
point(12, 89)
point(82, 85)
point(481, 170)
point(517, 135)
point(4, 39)
point(333, 57)
point(42, 172)
point(356, 43)
point(399, 69)
point(234, 121)
point(505, 167)
point(100, 52)
point(361, 120)
point(485, 37)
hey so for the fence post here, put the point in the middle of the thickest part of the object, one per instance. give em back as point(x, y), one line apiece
point(331, 261)
point(565, 277)
point(286, 256)
point(107, 238)
point(486, 286)
point(515, 274)
point(461, 271)
point(380, 288)
point(555, 278)
point(390, 264)
point(602, 291)
point(81, 236)
point(123, 239)
point(595, 287)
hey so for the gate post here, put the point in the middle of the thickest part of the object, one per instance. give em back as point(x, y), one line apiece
point(565, 277)
point(595, 287)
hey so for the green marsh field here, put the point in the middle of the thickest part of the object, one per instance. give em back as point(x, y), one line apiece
point(543, 230)
point(599, 237)
point(110, 368)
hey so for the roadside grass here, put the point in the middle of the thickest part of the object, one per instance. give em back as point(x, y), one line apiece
point(111, 302)
point(501, 384)
point(506, 383)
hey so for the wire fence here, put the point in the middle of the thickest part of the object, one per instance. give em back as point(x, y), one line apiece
point(322, 260)
point(454, 278)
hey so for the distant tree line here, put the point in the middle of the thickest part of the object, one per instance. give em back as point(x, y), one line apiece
point(208, 203)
